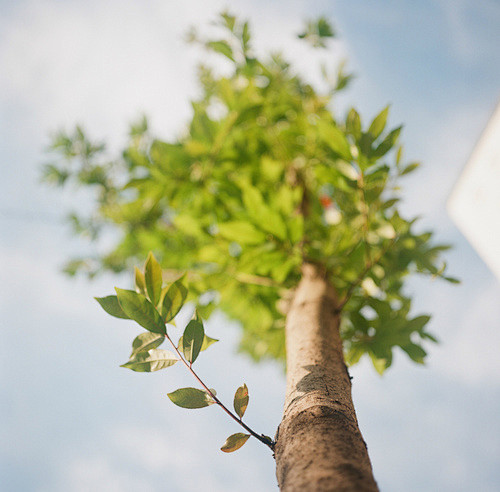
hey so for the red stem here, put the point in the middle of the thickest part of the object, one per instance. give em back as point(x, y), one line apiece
point(218, 402)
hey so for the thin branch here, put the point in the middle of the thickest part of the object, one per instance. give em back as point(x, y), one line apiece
point(270, 445)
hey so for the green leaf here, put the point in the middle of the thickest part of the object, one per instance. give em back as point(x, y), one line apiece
point(380, 365)
point(221, 47)
point(241, 400)
point(138, 308)
point(190, 398)
point(153, 278)
point(140, 282)
point(410, 168)
point(146, 341)
point(416, 352)
point(174, 297)
point(192, 340)
point(234, 442)
point(111, 306)
point(387, 143)
point(378, 124)
point(353, 124)
point(335, 139)
point(151, 361)
point(241, 232)
point(207, 341)
point(261, 214)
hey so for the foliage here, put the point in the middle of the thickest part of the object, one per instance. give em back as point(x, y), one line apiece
point(266, 177)
point(146, 306)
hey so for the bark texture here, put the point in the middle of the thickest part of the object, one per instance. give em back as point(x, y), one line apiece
point(319, 445)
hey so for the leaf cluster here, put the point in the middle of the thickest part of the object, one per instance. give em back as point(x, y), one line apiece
point(154, 307)
point(265, 178)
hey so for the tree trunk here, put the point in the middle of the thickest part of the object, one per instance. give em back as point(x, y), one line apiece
point(319, 445)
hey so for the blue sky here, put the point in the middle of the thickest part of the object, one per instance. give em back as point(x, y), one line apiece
point(72, 420)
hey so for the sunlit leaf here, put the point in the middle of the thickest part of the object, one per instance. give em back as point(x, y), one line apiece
point(241, 232)
point(111, 306)
point(378, 124)
point(190, 398)
point(151, 361)
point(146, 341)
point(241, 400)
point(173, 299)
point(138, 308)
point(153, 278)
point(207, 341)
point(140, 282)
point(234, 442)
point(192, 340)
point(335, 139)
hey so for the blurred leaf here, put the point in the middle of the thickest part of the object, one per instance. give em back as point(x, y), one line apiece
point(140, 282)
point(335, 139)
point(241, 232)
point(153, 278)
point(378, 124)
point(316, 31)
point(416, 352)
point(190, 398)
point(234, 442)
point(241, 400)
point(111, 306)
point(221, 47)
point(387, 143)
point(410, 168)
point(138, 308)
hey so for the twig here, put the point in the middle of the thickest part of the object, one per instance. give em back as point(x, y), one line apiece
point(270, 445)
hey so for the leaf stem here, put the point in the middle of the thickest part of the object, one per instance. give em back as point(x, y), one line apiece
point(263, 440)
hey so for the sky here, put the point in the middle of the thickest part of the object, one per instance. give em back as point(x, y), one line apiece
point(72, 419)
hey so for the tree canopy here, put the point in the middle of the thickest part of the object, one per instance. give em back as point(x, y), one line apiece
point(266, 177)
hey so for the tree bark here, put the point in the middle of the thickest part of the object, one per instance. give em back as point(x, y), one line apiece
point(319, 445)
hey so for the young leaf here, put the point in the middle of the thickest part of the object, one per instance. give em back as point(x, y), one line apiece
point(192, 340)
point(151, 361)
point(140, 282)
point(207, 341)
point(190, 398)
point(410, 168)
point(241, 400)
point(111, 306)
point(138, 308)
point(353, 124)
point(146, 341)
point(221, 47)
point(242, 232)
point(335, 139)
point(387, 143)
point(378, 124)
point(173, 300)
point(153, 278)
point(234, 442)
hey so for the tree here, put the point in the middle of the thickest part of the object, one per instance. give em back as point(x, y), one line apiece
point(283, 215)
